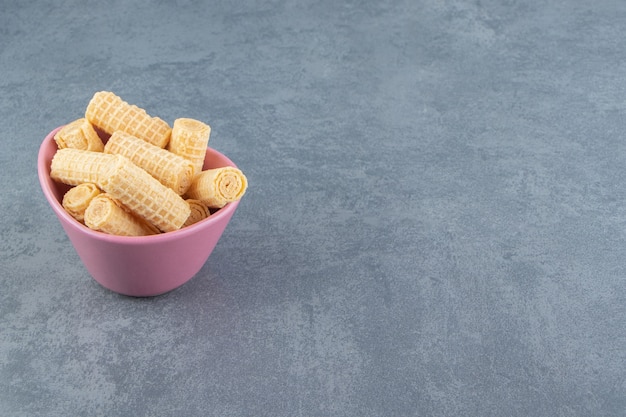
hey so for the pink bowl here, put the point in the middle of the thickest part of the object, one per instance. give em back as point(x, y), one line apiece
point(137, 266)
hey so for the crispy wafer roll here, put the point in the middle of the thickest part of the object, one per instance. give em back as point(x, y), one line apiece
point(145, 196)
point(110, 113)
point(77, 199)
point(76, 166)
point(190, 139)
point(170, 169)
point(79, 134)
point(217, 187)
point(199, 211)
point(105, 214)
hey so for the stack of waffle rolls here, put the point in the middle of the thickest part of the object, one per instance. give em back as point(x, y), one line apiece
point(144, 178)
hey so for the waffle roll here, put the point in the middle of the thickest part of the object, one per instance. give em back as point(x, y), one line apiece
point(217, 187)
point(79, 134)
point(190, 138)
point(110, 113)
point(107, 215)
point(199, 211)
point(171, 170)
point(145, 196)
point(77, 199)
point(75, 166)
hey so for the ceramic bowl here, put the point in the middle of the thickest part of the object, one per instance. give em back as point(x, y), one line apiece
point(137, 266)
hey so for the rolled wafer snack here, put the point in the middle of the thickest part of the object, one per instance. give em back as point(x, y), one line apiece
point(217, 187)
point(170, 169)
point(190, 139)
point(77, 199)
point(76, 166)
point(110, 113)
point(106, 215)
point(145, 196)
point(199, 211)
point(79, 134)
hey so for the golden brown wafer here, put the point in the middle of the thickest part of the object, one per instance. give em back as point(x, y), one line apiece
point(110, 113)
point(217, 187)
point(77, 199)
point(199, 211)
point(170, 169)
point(76, 166)
point(190, 139)
point(79, 134)
point(107, 215)
point(145, 196)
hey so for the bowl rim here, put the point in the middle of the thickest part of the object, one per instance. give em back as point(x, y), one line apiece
point(43, 173)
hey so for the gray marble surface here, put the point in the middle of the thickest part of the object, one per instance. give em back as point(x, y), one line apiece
point(435, 223)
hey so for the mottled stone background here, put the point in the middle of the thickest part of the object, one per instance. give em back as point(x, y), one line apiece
point(435, 223)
